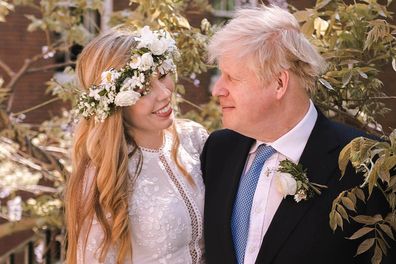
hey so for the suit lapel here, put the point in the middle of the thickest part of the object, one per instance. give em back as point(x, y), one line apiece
point(230, 177)
point(318, 159)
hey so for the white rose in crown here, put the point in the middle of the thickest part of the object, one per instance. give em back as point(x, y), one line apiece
point(146, 62)
point(131, 83)
point(146, 37)
point(285, 183)
point(126, 98)
point(166, 66)
point(158, 47)
point(135, 61)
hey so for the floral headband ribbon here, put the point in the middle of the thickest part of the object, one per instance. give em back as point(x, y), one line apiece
point(154, 53)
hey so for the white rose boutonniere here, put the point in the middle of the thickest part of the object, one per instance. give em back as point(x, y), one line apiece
point(285, 184)
point(292, 180)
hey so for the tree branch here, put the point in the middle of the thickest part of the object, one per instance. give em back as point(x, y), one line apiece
point(6, 68)
point(50, 67)
point(36, 106)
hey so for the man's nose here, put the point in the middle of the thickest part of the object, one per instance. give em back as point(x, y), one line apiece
point(219, 88)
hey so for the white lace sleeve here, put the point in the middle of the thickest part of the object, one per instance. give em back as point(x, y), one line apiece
point(88, 245)
point(193, 134)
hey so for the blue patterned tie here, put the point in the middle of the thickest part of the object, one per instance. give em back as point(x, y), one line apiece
point(243, 202)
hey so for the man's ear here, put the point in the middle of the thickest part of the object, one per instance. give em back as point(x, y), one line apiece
point(282, 83)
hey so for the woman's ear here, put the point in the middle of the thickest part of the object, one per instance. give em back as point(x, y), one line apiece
point(282, 83)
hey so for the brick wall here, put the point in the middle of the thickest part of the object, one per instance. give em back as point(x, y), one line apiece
point(16, 44)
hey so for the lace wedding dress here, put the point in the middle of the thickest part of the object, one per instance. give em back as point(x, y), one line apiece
point(165, 211)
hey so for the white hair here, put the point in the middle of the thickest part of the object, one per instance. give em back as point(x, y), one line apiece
point(269, 40)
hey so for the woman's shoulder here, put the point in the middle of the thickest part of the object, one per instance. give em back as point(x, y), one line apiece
point(191, 131)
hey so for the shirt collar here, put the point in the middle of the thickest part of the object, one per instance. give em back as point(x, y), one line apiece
point(292, 144)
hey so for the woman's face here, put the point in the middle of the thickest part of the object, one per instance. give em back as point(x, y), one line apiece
point(153, 112)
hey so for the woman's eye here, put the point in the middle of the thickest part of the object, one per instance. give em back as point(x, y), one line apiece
point(162, 76)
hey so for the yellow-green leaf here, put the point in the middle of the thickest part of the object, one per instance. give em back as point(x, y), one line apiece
point(332, 222)
point(367, 219)
point(343, 212)
point(361, 232)
point(364, 246)
point(386, 228)
point(339, 221)
point(302, 15)
point(360, 194)
point(343, 158)
point(348, 203)
point(377, 257)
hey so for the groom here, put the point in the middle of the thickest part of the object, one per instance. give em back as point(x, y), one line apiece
point(268, 71)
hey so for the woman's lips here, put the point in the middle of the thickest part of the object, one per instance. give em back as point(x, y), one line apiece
point(164, 112)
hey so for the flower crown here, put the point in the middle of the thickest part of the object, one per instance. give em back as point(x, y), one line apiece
point(153, 54)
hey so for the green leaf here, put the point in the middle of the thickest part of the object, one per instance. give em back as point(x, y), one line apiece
point(332, 222)
point(367, 219)
point(390, 162)
point(346, 78)
point(321, 3)
point(344, 157)
point(383, 246)
point(302, 15)
point(326, 84)
point(364, 246)
point(386, 228)
point(352, 196)
point(377, 257)
point(348, 203)
point(343, 212)
point(360, 194)
point(339, 221)
point(361, 232)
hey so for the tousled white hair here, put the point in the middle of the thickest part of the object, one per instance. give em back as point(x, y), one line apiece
point(268, 40)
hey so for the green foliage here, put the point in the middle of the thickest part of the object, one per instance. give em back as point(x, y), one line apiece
point(376, 161)
point(356, 40)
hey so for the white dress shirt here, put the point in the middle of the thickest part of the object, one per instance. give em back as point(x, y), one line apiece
point(267, 198)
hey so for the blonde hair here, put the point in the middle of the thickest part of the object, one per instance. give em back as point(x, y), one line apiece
point(269, 40)
point(103, 148)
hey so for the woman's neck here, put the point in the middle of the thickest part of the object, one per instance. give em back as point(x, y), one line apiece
point(149, 139)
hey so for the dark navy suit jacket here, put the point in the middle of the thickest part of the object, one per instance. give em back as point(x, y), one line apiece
point(299, 232)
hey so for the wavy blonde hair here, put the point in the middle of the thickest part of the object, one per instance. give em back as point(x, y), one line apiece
point(103, 149)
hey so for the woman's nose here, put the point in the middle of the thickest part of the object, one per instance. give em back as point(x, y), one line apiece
point(162, 91)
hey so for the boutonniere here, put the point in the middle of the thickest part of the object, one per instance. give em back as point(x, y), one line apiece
point(292, 179)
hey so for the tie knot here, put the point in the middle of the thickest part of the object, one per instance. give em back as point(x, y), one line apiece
point(264, 152)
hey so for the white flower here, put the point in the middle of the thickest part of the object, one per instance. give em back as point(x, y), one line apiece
point(109, 76)
point(146, 62)
point(95, 93)
point(159, 46)
point(146, 37)
point(285, 184)
point(166, 66)
point(131, 83)
point(300, 195)
point(135, 61)
point(126, 98)
point(14, 209)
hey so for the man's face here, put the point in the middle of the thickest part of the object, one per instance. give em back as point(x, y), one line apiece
point(246, 102)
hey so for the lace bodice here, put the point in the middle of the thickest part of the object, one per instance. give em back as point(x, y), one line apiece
point(165, 211)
